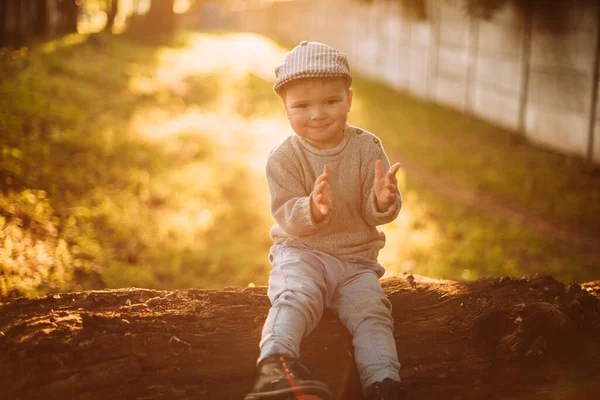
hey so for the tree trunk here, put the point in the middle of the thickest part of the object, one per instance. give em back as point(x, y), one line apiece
point(3, 22)
point(112, 13)
point(488, 339)
point(41, 25)
point(161, 17)
point(18, 38)
point(28, 14)
point(68, 10)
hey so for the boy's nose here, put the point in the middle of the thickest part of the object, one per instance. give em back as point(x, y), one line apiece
point(317, 113)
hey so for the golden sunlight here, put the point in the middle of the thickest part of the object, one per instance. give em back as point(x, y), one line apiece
point(233, 56)
point(240, 135)
point(208, 124)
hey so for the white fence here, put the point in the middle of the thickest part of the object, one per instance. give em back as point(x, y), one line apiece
point(508, 70)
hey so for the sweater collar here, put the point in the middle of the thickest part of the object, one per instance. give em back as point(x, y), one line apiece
point(326, 152)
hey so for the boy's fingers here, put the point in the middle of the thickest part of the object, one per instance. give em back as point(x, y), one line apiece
point(320, 187)
point(324, 176)
point(322, 191)
point(320, 201)
point(394, 169)
point(378, 169)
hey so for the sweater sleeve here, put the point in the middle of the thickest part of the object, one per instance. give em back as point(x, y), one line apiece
point(290, 202)
point(370, 212)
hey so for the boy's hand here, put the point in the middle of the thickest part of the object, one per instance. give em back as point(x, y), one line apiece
point(385, 185)
point(321, 199)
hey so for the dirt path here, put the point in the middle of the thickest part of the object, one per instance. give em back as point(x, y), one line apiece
point(586, 244)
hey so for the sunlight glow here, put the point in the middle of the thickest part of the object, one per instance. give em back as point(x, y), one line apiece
point(233, 56)
point(253, 137)
point(63, 42)
point(182, 6)
point(226, 66)
point(235, 144)
point(409, 231)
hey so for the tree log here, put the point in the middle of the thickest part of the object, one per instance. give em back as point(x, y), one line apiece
point(496, 338)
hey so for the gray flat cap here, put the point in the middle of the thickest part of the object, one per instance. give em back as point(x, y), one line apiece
point(311, 60)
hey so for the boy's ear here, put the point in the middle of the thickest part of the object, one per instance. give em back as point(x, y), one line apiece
point(285, 107)
point(349, 99)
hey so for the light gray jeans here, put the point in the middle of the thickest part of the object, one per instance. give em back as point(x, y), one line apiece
point(303, 282)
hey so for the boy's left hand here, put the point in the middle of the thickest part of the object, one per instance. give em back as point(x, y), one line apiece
point(385, 185)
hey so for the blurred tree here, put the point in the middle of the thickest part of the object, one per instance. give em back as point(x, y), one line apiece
point(112, 8)
point(24, 20)
point(3, 15)
point(42, 24)
point(17, 20)
point(161, 17)
point(68, 15)
point(551, 14)
point(157, 23)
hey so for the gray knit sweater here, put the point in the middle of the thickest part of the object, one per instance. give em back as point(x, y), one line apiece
point(349, 231)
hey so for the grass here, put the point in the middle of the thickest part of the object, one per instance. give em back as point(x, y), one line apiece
point(129, 164)
point(448, 239)
point(479, 155)
point(455, 241)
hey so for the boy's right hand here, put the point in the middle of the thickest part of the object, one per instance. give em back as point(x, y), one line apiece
point(321, 199)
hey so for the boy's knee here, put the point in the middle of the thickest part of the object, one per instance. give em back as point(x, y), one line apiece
point(378, 307)
point(308, 303)
point(373, 310)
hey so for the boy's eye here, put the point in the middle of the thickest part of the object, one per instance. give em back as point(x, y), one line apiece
point(301, 105)
point(332, 101)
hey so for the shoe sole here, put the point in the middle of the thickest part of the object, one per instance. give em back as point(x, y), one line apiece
point(309, 391)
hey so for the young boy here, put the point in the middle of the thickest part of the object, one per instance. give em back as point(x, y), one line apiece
point(331, 185)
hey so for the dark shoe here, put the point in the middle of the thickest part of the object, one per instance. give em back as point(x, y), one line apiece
point(281, 377)
point(388, 389)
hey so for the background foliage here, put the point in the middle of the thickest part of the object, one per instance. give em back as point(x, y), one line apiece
point(551, 15)
point(129, 164)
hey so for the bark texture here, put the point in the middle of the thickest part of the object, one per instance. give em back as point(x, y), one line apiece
point(501, 338)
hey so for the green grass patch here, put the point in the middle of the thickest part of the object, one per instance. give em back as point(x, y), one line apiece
point(128, 164)
point(450, 240)
point(106, 184)
point(479, 155)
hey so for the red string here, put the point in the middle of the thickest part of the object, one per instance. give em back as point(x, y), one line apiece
point(295, 389)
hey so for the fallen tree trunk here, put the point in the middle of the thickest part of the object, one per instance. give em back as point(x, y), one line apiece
point(488, 339)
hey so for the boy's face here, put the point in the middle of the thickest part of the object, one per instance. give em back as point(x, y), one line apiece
point(318, 109)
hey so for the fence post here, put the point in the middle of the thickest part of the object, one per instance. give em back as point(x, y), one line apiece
point(594, 100)
point(403, 56)
point(409, 50)
point(434, 48)
point(470, 80)
point(525, 61)
point(356, 34)
point(382, 40)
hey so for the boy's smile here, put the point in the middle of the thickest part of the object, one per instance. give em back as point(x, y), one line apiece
point(318, 109)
